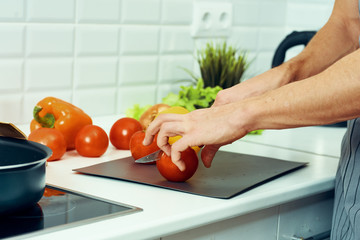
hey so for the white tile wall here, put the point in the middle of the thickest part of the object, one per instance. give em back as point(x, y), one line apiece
point(140, 40)
point(95, 72)
point(10, 107)
point(49, 40)
point(11, 40)
point(97, 40)
point(316, 13)
point(50, 10)
point(130, 95)
point(246, 38)
point(138, 70)
point(246, 13)
point(177, 11)
point(176, 39)
point(48, 73)
point(148, 13)
point(11, 72)
point(272, 13)
point(96, 102)
point(98, 11)
point(171, 67)
point(106, 55)
point(12, 10)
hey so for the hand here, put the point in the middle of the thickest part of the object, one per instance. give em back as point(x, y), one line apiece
point(223, 123)
point(211, 127)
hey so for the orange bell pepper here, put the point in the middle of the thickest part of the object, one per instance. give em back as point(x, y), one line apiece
point(52, 112)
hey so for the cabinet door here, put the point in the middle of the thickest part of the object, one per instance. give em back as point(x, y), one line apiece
point(306, 217)
point(256, 226)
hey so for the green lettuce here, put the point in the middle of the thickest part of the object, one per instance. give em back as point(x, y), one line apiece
point(136, 111)
point(191, 97)
point(256, 132)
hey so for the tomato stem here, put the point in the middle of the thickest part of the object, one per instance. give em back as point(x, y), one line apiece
point(47, 121)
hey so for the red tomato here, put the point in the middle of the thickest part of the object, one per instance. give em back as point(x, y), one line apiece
point(91, 141)
point(138, 150)
point(52, 138)
point(122, 131)
point(172, 173)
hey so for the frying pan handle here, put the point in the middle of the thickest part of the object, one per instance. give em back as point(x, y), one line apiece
point(10, 130)
point(291, 40)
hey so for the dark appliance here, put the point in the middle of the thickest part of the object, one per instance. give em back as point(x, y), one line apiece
point(293, 39)
point(59, 209)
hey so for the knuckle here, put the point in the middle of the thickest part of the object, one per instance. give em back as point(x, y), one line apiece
point(221, 98)
point(161, 139)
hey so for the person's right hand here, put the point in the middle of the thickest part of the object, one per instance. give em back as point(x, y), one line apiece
point(212, 127)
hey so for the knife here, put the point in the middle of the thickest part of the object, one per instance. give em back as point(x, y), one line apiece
point(152, 157)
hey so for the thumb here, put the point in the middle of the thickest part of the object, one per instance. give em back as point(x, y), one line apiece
point(208, 154)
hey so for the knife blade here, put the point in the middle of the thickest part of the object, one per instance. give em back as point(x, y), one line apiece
point(152, 157)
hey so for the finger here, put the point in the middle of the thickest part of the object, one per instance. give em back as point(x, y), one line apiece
point(163, 144)
point(152, 130)
point(176, 149)
point(148, 139)
point(149, 135)
point(208, 154)
point(155, 126)
point(168, 129)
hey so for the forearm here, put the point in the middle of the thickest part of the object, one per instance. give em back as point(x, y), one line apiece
point(329, 97)
point(338, 37)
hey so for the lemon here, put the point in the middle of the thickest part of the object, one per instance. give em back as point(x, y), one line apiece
point(177, 110)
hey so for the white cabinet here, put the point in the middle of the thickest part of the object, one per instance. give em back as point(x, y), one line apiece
point(303, 218)
point(306, 217)
point(257, 225)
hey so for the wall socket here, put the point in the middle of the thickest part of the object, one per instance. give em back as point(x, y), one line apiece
point(212, 19)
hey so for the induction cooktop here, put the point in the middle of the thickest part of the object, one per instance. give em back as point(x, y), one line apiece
point(58, 209)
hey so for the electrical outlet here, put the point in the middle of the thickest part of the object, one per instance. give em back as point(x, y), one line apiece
point(212, 19)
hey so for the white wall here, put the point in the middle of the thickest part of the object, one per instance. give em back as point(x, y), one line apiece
point(106, 55)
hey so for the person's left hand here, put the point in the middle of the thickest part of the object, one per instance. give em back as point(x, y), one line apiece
point(212, 127)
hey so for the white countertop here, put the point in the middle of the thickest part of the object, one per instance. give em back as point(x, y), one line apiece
point(321, 140)
point(166, 212)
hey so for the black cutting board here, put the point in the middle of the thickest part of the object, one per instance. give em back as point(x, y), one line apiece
point(229, 175)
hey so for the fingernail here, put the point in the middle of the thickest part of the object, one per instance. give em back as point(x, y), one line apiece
point(181, 166)
point(144, 142)
point(168, 153)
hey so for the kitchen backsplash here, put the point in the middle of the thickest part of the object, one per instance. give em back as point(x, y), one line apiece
point(106, 55)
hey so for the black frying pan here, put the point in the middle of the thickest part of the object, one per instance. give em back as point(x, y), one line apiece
point(22, 173)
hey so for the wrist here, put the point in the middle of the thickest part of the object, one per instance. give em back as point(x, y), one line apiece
point(298, 68)
point(247, 113)
point(288, 72)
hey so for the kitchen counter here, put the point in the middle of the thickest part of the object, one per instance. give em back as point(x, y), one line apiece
point(170, 213)
point(322, 140)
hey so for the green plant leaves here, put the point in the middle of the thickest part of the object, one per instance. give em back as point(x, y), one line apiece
point(136, 111)
point(191, 97)
point(221, 65)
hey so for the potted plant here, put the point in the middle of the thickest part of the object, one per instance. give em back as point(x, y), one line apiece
point(221, 65)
